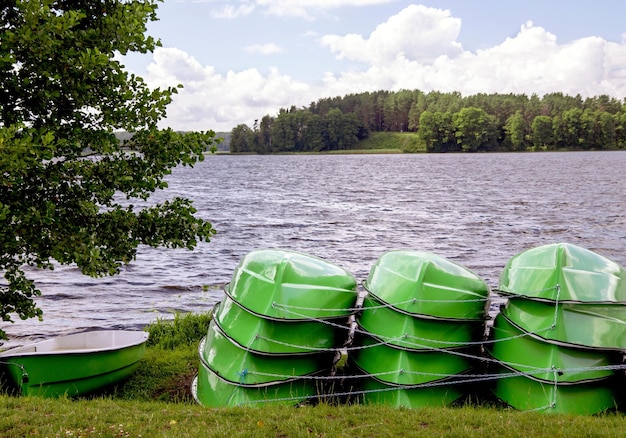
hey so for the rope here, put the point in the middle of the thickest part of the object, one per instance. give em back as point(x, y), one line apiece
point(556, 306)
point(416, 343)
point(472, 379)
point(411, 341)
point(303, 347)
point(382, 305)
point(344, 310)
point(467, 378)
point(417, 300)
point(242, 375)
point(554, 388)
point(525, 294)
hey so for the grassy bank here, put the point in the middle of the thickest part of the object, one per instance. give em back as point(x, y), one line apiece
point(157, 402)
point(392, 141)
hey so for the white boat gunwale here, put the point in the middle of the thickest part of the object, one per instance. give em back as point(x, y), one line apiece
point(60, 345)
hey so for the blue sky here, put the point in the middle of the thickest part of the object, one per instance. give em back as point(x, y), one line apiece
point(241, 59)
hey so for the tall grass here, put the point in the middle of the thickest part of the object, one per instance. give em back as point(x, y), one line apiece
point(171, 360)
point(184, 330)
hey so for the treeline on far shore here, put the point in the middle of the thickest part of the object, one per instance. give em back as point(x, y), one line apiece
point(441, 122)
point(222, 146)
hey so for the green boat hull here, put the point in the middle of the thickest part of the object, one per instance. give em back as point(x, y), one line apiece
point(78, 365)
point(591, 326)
point(403, 367)
point(425, 284)
point(565, 273)
point(544, 361)
point(411, 332)
point(211, 391)
point(293, 286)
point(235, 364)
point(267, 336)
point(527, 394)
point(374, 392)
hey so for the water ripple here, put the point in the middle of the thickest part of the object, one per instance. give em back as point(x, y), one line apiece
point(476, 209)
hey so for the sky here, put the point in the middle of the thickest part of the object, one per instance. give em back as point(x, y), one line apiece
point(239, 60)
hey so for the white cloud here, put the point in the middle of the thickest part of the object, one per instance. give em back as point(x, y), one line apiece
point(415, 49)
point(210, 100)
point(418, 32)
point(231, 12)
point(264, 49)
point(173, 65)
point(530, 62)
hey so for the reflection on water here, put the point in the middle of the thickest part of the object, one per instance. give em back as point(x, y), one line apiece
point(475, 209)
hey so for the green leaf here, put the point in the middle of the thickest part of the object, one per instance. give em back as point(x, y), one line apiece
point(61, 167)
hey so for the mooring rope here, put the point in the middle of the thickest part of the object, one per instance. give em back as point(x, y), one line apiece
point(413, 343)
point(444, 378)
point(394, 387)
point(556, 306)
point(525, 294)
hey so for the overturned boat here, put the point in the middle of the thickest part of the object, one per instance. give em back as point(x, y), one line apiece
point(275, 335)
point(418, 332)
point(558, 343)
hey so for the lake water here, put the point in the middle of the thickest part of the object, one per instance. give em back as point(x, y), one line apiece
point(475, 209)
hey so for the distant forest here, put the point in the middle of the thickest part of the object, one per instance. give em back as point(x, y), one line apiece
point(441, 122)
point(223, 146)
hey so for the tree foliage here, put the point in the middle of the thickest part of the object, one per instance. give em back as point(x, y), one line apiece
point(448, 122)
point(515, 128)
point(542, 132)
point(66, 183)
point(437, 132)
point(474, 129)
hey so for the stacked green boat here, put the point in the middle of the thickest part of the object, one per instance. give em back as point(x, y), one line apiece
point(418, 331)
point(418, 338)
point(276, 333)
point(561, 337)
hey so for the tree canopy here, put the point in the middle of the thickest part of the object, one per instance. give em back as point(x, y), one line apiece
point(443, 122)
point(66, 183)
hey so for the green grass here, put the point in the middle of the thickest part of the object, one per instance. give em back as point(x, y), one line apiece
point(156, 402)
point(171, 360)
point(184, 330)
point(107, 417)
point(388, 141)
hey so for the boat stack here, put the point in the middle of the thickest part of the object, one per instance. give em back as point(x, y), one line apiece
point(276, 334)
point(559, 341)
point(419, 330)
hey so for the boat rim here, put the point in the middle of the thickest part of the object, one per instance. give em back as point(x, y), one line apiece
point(265, 353)
point(559, 342)
point(382, 342)
point(512, 294)
point(350, 311)
point(253, 385)
point(418, 315)
point(452, 379)
point(142, 337)
point(520, 373)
